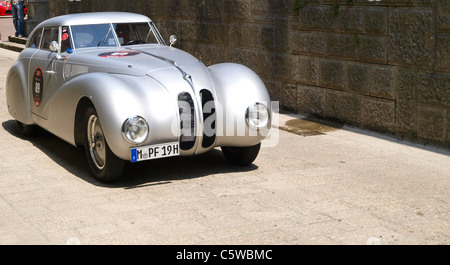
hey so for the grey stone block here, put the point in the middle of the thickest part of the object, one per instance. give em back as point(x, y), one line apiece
point(213, 33)
point(309, 43)
point(259, 61)
point(350, 19)
point(342, 46)
point(237, 10)
point(274, 88)
point(382, 82)
point(433, 89)
point(406, 84)
point(373, 49)
point(208, 54)
point(358, 77)
point(411, 39)
point(333, 74)
point(447, 139)
point(443, 52)
point(316, 17)
point(206, 10)
point(268, 40)
point(290, 96)
point(245, 35)
point(443, 15)
point(260, 6)
point(344, 106)
point(311, 100)
point(238, 55)
point(188, 31)
point(309, 70)
point(282, 34)
point(431, 123)
point(380, 114)
point(406, 118)
point(375, 20)
point(406, 110)
point(285, 67)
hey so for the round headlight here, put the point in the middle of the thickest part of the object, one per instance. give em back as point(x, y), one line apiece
point(257, 116)
point(135, 130)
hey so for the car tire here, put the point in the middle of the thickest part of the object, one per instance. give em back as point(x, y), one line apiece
point(27, 130)
point(105, 165)
point(241, 156)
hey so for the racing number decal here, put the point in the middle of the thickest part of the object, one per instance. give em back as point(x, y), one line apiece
point(119, 54)
point(38, 86)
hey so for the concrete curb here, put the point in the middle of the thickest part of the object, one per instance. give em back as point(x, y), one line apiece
point(14, 43)
point(13, 46)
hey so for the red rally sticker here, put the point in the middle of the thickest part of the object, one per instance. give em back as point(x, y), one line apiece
point(119, 54)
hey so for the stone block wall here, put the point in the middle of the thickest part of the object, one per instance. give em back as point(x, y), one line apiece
point(382, 65)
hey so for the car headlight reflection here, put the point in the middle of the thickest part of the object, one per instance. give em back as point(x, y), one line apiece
point(257, 116)
point(135, 129)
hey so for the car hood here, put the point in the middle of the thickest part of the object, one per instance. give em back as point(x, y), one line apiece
point(133, 60)
point(167, 65)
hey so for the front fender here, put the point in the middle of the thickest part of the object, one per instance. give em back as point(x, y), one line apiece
point(115, 97)
point(237, 87)
point(17, 96)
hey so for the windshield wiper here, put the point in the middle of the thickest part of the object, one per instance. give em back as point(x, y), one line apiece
point(100, 43)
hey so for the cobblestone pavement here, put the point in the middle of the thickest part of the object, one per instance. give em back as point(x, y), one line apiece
point(345, 186)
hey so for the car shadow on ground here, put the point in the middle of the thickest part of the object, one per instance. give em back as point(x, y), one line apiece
point(147, 173)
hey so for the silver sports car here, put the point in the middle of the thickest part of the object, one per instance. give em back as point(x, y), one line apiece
point(109, 83)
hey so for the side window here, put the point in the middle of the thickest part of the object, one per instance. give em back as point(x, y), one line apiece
point(49, 35)
point(66, 42)
point(35, 39)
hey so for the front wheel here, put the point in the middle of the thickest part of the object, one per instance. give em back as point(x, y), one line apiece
point(105, 165)
point(241, 156)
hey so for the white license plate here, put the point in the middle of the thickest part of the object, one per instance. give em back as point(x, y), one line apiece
point(154, 151)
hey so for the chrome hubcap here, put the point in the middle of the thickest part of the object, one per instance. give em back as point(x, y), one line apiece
point(96, 142)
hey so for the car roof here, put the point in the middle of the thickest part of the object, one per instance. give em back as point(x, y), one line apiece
point(94, 18)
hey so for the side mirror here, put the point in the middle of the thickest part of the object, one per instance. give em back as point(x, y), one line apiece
point(54, 46)
point(173, 39)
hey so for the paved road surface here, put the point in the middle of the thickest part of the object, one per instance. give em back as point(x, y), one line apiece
point(6, 27)
point(346, 186)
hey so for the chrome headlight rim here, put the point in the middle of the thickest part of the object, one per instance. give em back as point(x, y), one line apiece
point(248, 118)
point(141, 123)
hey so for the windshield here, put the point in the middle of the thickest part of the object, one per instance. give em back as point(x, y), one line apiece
point(93, 36)
point(100, 35)
point(134, 33)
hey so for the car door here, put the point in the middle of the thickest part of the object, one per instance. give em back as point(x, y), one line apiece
point(44, 71)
